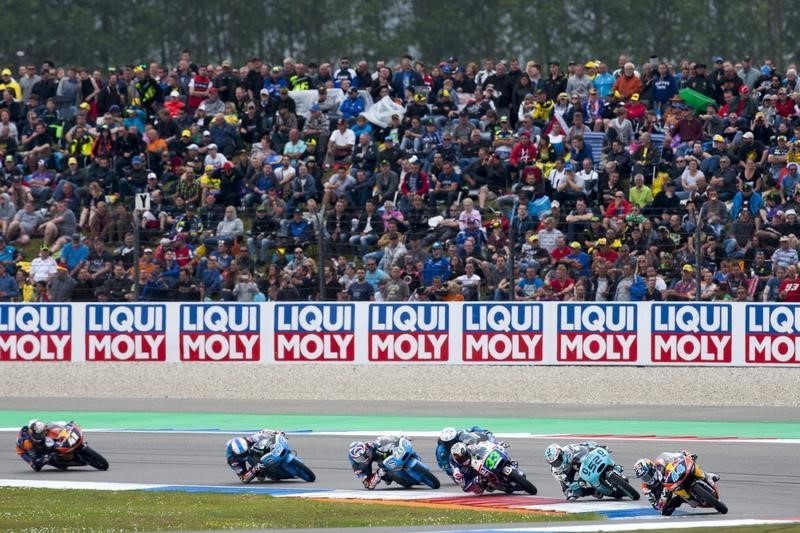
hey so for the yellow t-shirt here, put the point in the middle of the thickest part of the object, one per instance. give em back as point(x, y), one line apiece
point(211, 183)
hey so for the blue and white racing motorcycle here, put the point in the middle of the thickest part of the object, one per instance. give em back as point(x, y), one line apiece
point(405, 467)
point(273, 459)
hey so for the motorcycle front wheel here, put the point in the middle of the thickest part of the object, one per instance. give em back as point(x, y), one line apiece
point(93, 458)
point(426, 476)
point(706, 495)
point(522, 482)
point(303, 472)
point(618, 483)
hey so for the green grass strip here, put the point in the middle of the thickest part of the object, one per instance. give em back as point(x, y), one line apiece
point(242, 422)
point(47, 510)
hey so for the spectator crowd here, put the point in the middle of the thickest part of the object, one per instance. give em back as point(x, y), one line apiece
point(503, 181)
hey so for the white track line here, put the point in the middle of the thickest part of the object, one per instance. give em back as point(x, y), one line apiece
point(529, 436)
point(629, 527)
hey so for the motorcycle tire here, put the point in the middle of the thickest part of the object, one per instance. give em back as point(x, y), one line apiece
point(93, 459)
point(706, 495)
point(426, 476)
point(303, 472)
point(618, 483)
point(522, 482)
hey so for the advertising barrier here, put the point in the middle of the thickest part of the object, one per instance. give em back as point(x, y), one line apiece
point(536, 333)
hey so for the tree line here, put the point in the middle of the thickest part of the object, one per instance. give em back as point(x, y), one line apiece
point(100, 34)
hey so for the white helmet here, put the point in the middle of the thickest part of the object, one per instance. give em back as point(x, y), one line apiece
point(448, 434)
point(459, 452)
point(36, 429)
point(554, 455)
point(238, 446)
point(360, 452)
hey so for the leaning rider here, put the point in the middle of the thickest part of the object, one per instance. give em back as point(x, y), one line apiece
point(450, 436)
point(363, 454)
point(237, 451)
point(652, 475)
point(461, 465)
point(564, 465)
point(34, 445)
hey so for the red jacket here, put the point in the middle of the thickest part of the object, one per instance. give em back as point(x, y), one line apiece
point(613, 211)
point(522, 153)
point(423, 184)
point(786, 108)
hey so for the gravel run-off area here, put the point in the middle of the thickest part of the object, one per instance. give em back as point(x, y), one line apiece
point(519, 384)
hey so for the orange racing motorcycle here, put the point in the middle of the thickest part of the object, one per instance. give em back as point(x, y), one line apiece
point(70, 449)
point(683, 478)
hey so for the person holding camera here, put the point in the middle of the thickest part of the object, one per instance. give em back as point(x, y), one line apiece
point(245, 289)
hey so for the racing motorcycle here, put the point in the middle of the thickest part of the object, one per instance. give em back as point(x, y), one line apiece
point(493, 464)
point(684, 478)
point(405, 468)
point(276, 461)
point(599, 471)
point(70, 449)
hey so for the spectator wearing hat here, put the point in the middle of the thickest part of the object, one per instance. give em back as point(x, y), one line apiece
point(75, 255)
point(317, 127)
point(751, 149)
point(43, 266)
point(352, 106)
point(785, 255)
point(275, 82)
point(214, 158)
point(189, 224)
point(603, 81)
point(700, 81)
point(39, 183)
point(298, 231)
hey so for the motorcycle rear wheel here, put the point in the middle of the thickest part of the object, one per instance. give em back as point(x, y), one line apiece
point(620, 484)
point(522, 482)
point(706, 495)
point(93, 458)
point(426, 476)
point(304, 472)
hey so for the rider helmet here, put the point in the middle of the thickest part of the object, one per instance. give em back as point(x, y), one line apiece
point(238, 446)
point(36, 429)
point(448, 435)
point(555, 455)
point(459, 452)
point(646, 470)
point(360, 452)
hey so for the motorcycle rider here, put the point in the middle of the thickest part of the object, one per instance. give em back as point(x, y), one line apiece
point(450, 436)
point(240, 460)
point(363, 454)
point(33, 443)
point(565, 463)
point(464, 475)
point(652, 475)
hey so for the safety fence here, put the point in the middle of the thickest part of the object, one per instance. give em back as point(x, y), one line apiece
point(547, 333)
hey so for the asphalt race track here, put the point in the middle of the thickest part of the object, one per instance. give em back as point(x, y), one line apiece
point(758, 480)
